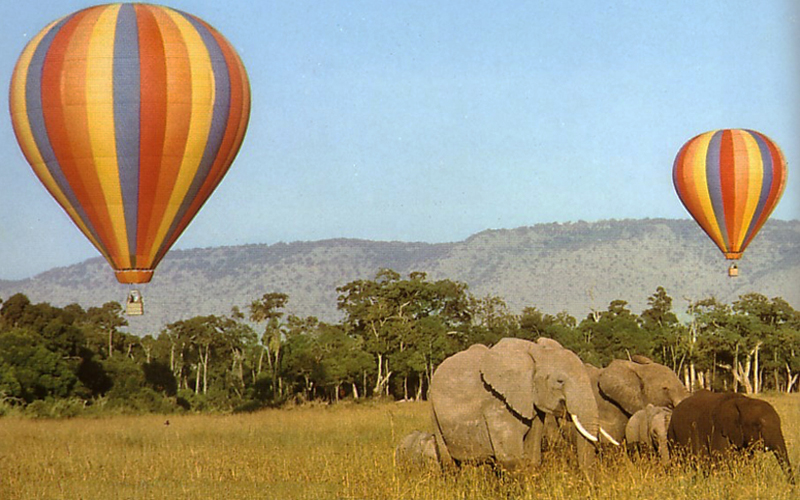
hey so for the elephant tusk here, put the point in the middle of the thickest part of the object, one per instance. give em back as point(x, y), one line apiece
point(608, 436)
point(582, 430)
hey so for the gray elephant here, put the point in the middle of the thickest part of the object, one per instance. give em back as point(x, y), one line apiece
point(708, 424)
point(417, 449)
point(490, 404)
point(648, 428)
point(625, 387)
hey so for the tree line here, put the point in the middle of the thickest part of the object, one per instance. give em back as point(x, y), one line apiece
point(394, 331)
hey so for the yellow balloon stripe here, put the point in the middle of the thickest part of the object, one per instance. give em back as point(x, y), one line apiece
point(100, 108)
point(19, 115)
point(202, 96)
point(22, 127)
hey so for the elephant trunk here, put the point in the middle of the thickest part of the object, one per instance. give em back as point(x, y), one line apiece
point(582, 407)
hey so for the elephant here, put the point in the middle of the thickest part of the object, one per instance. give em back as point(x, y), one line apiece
point(627, 386)
point(489, 404)
point(710, 424)
point(648, 428)
point(417, 449)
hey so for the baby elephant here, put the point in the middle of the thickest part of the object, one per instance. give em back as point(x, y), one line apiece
point(417, 449)
point(648, 428)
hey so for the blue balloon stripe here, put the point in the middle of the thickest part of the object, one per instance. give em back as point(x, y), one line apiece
point(714, 183)
point(127, 106)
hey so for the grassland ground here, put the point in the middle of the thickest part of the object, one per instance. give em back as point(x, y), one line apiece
point(341, 451)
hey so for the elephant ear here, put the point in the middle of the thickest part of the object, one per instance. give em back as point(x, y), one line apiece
point(729, 418)
point(508, 370)
point(620, 383)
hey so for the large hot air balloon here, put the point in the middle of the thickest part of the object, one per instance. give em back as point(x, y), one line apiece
point(130, 115)
point(730, 181)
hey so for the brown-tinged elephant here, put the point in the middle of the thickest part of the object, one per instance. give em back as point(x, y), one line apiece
point(709, 424)
point(490, 404)
point(648, 428)
point(417, 449)
point(625, 387)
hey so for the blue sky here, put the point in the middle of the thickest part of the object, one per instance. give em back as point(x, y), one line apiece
point(434, 120)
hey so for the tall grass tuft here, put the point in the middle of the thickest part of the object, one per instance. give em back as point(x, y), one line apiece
point(332, 452)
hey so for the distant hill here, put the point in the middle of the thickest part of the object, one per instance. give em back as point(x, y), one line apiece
point(573, 267)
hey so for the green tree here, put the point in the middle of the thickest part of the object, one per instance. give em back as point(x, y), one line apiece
point(383, 312)
point(107, 319)
point(771, 327)
point(613, 334)
point(490, 320)
point(660, 324)
point(30, 371)
point(534, 323)
point(268, 310)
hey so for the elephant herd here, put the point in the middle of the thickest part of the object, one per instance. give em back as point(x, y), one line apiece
point(497, 404)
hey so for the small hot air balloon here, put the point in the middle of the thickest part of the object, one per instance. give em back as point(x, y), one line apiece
point(730, 181)
point(130, 115)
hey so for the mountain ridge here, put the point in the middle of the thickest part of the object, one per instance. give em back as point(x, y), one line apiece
point(574, 267)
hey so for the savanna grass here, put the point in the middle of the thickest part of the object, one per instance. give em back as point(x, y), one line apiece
point(333, 452)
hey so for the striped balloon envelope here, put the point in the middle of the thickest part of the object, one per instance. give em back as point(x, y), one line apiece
point(730, 181)
point(130, 115)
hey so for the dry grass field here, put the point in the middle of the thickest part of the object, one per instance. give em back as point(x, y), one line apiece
point(329, 452)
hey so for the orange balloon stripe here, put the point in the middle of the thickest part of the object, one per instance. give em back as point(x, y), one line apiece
point(66, 122)
point(177, 92)
point(733, 170)
point(153, 95)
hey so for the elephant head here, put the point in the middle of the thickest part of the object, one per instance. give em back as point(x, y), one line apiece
point(634, 384)
point(541, 377)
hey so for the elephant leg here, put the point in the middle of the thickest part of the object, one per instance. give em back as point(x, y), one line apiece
point(506, 434)
point(533, 441)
